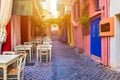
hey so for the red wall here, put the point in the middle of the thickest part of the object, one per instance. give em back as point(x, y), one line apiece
point(7, 45)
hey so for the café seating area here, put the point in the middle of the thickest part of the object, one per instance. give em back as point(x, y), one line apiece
point(65, 65)
point(12, 63)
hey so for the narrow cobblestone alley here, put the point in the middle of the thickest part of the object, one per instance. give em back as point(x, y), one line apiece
point(67, 65)
point(60, 39)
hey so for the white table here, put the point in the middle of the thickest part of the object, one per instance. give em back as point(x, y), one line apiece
point(5, 61)
point(44, 46)
point(27, 47)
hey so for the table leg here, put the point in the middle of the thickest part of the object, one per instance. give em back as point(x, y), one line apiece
point(50, 54)
point(37, 54)
point(5, 73)
point(30, 54)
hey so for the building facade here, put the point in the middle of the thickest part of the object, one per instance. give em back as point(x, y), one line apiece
point(98, 47)
point(114, 41)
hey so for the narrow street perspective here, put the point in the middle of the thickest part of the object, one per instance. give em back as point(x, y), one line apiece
point(59, 39)
point(68, 65)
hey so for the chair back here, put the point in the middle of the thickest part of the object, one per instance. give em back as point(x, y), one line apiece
point(44, 46)
point(46, 43)
point(21, 64)
point(20, 49)
point(39, 41)
point(27, 43)
point(47, 40)
point(8, 53)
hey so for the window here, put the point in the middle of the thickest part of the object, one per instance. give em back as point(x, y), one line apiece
point(74, 12)
point(97, 4)
point(78, 10)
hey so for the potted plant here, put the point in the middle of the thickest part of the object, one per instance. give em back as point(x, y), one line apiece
point(84, 18)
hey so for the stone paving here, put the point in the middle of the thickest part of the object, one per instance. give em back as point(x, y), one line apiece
point(67, 65)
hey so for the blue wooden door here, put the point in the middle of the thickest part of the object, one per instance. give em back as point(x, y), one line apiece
point(95, 39)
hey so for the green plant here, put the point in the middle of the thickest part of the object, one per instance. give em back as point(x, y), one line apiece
point(84, 13)
point(84, 20)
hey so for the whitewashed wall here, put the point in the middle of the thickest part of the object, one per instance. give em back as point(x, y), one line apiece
point(115, 41)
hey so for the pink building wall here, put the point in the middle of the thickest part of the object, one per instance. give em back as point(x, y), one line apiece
point(78, 29)
point(105, 41)
point(80, 40)
point(86, 44)
point(84, 41)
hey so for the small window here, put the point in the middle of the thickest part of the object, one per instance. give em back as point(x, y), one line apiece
point(97, 4)
point(78, 10)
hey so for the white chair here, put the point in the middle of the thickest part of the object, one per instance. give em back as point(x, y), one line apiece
point(39, 41)
point(43, 50)
point(20, 49)
point(46, 43)
point(27, 43)
point(18, 71)
point(47, 40)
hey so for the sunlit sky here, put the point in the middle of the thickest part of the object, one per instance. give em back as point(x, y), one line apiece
point(50, 5)
point(53, 7)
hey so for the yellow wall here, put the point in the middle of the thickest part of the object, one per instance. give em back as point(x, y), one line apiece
point(72, 43)
point(68, 35)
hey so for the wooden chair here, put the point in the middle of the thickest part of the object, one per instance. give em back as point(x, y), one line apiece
point(18, 71)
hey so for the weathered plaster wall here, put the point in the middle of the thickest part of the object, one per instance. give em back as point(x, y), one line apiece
point(115, 41)
point(15, 31)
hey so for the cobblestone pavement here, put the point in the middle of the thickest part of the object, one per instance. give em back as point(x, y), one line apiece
point(67, 65)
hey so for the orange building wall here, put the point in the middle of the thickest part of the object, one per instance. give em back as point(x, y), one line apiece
point(24, 29)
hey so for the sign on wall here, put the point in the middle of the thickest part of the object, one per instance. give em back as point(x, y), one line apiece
point(107, 27)
point(22, 7)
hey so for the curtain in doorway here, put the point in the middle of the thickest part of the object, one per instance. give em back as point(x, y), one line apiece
point(5, 14)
